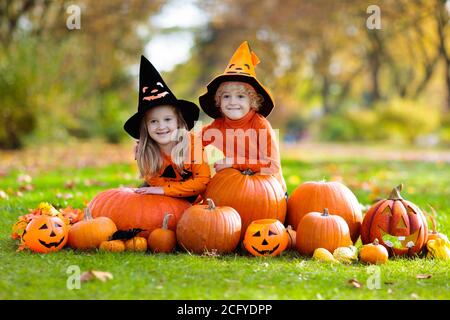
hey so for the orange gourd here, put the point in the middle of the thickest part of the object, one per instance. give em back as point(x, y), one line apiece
point(322, 230)
point(209, 228)
point(163, 239)
point(136, 244)
point(373, 253)
point(112, 246)
point(90, 233)
point(315, 196)
point(253, 196)
point(130, 210)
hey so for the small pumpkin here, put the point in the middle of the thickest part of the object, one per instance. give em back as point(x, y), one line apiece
point(90, 233)
point(163, 239)
point(136, 244)
point(398, 224)
point(374, 253)
point(266, 237)
point(434, 234)
point(45, 234)
point(315, 196)
point(322, 230)
point(207, 228)
point(112, 246)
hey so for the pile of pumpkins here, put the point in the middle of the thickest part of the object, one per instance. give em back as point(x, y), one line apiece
point(247, 208)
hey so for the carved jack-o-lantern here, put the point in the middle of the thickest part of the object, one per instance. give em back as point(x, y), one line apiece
point(45, 233)
point(398, 224)
point(266, 237)
point(158, 91)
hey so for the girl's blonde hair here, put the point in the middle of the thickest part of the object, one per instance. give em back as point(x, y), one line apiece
point(256, 99)
point(149, 155)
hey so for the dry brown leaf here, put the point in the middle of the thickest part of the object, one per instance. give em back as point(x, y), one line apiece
point(355, 283)
point(423, 276)
point(93, 274)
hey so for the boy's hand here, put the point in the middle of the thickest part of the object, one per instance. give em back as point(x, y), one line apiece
point(150, 190)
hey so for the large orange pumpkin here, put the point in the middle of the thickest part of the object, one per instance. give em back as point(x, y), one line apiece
point(130, 210)
point(254, 196)
point(322, 230)
point(207, 228)
point(315, 196)
point(398, 224)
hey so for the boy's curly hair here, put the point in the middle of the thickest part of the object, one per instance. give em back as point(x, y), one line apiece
point(256, 99)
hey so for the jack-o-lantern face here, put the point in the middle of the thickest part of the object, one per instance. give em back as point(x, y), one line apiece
point(398, 224)
point(157, 92)
point(45, 233)
point(266, 237)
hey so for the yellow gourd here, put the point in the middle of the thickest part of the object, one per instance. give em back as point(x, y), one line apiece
point(439, 249)
point(322, 254)
point(346, 254)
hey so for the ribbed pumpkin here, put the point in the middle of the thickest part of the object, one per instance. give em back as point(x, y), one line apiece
point(130, 210)
point(373, 253)
point(207, 228)
point(138, 244)
point(254, 196)
point(322, 230)
point(163, 239)
point(315, 196)
point(112, 246)
point(90, 233)
point(398, 224)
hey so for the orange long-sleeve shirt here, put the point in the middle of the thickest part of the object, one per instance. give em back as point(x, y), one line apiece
point(192, 183)
point(250, 142)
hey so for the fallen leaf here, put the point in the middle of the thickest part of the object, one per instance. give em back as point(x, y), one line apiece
point(423, 276)
point(92, 274)
point(69, 184)
point(414, 296)
point(355, 283)
point(26, 187)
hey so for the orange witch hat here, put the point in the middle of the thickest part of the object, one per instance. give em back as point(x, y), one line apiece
point(240, 68)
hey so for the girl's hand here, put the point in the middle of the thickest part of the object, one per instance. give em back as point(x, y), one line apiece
point(220, 165)
point(150, 190)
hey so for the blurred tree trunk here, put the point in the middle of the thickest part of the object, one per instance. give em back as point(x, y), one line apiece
point(442, 17)
point(374, 58)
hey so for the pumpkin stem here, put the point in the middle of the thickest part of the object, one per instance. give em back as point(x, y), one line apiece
point(166, 220)
point(395, 193)
point(432, 218)
point(248, 172)
point(325, 212)
point(375, 242)
point(211, 205)
point(87, 214)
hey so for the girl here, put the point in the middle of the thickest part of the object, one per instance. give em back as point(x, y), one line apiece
point(165, 153)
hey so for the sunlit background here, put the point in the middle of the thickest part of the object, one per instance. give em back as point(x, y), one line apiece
point(334, 77)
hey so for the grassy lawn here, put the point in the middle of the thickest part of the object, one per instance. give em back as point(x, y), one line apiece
point(25, 275)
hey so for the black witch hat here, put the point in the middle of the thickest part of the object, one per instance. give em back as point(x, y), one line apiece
point(153, 92)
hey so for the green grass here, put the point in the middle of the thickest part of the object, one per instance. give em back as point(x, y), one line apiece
point(25, 275)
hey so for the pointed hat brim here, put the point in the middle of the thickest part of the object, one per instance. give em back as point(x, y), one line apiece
point(208, 103)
